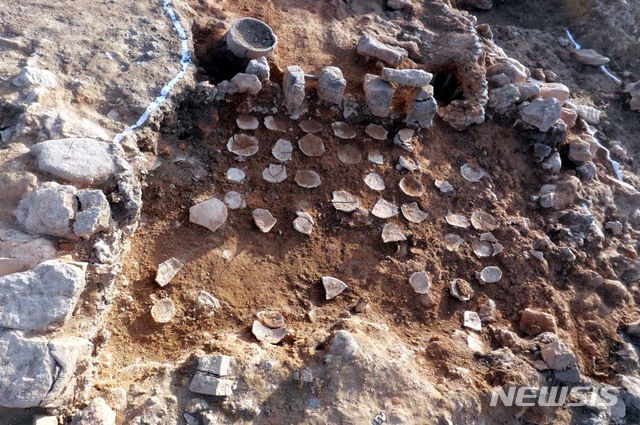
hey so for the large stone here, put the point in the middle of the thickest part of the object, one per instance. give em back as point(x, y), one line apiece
point(561, 195)
point(513, 69)
point(331, 85)
point(378, 94)
point(41, 298)
point(205, 383)
point(589, 57)
point(260, 68)
point(61, 124)
point(407, 77)
point(247, 83)
point(26, 370)
point(558, 356)
point(293, 86)
point(542, 113)
point(556, 91)
point(49, 210)
point(68, 352)
point(98, 412)
point(535, 322)
point(422, 108)
point(82, 161)
point(581, 151)
point(503, 97)
point(94, 215)
point(528, 91)
point(211, 214)
point(368, 46)
point(32, 76)
point(634, 90)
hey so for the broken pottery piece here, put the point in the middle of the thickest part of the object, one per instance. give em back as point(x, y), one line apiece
point(472, 321)
point(444, 186)
point(234, 200)
point(311, 145)
point(242, 145)
point(404, 139)
point(392, 233)
point(349, 154)
point(491, 274)
point(483, 221)
point(266, 334)
point(413, 213)
point(310, 126)
point(167, 271)
point(375, 157)
point(407, 164)
point(247, 122)
point(307, 178)
point(452, 241)
point(275, 173)
point(411, 186)
point(163, 310)
point(461, 289)
point(235, 175)
point(374, 181)
point(376, 132)
point(272, 319)
point(472, 173)
point(332, 286)
point(482, 249)
point(282, 150)
point(420, 282)
point(343, 130)
point(274, 124)
point(457, 220)
point(384, 209)
point(303, 223)
point(263, 219)
point(344, 201)
point(211, 214)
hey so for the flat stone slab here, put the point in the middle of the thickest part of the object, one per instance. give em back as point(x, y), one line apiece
point(84, 162)
point(407, 77)
point(41, 298)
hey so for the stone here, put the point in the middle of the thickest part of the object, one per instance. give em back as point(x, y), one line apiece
point(487, 311)
point(45, 420)
point(303, 223)
point(61, 124)
point(98, 412)
point(615, 227)
point(378, 95)
point(368, 46)
point(69, 353)
point(94, 215)
point(27, 372)
point(311, 145)
point(308, 179)
point(247, 122)
point(374, 181)
point(534, 322)
point(413, 213)
point(30, 76)
point(528, 91)
point(558, 356)
point(163, 311)
point(422, 108)
point(483, 221)
point(211, 214)
point(392, 233)
point(332, 287)
point(247, 83)
point(218, 365)
point(580, 151)
point(49, 210)
point(384, 209)
point(243, 145)
point(555, 91)
point(398, 4)
point(167, 271)
point(404, 139)
point(293, 87)
point(503, 97)
point(589, 57)
point(13, 265)
point(472, 320)
point(331, 85)
point(81, 161)
point(542, 114)
point(203, 383)
point(420, 282)
point(263, 219)
point(282, 150)
point(376, 132)
point(541, 151)
point(553, 164)
point(472, 173)
point(513, 69)
point(343, 130)
point(344, 201)
point(634, 90)
point(587, 171)
point(260, 68)
point(561, 195)
point(491, 274)
point(407, 77)
point(588, 113)
point(236, 175)
point(41, 298)
point(275, 173)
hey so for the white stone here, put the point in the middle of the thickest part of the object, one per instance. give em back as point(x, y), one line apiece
point(472, 173)
point(282, 150)
point(260, 68)
point(378, 95)
point(168, 270)
point(420, 282)
point(275, 173)
point(211, 214)
point(374, 181)
point(413, 213)
point(32, 76)
point(41, 298)
point(94, 215)
point(542, 114)
point(294, 90)
point(332, 287)
point(558, 356)
point(163, 311)
point(407, 77)
point(263, 219)
point(472, 321)
point(218, 365)
point(368, 46)
point(392, 233)
point(247, 83)
point(235, 175)
point(444, 186)
point(331, 85)
point(49, 210)
point(98, 412)
point(384, 209)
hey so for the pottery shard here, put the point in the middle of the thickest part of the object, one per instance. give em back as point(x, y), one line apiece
point(420, 282)
point(211, 214)
point(265, 334)
point(384, 209)
point(163, 310)
point(392, 233)
point(307, 178)
point(344, 201)
point(368, 46)
point(332, 286)
point(168, 270)
point(378, 95)
point(263, 219)
point(311, 145)
point(243, 145)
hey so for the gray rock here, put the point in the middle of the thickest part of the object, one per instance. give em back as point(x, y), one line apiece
point(204, 383)
point(247, 83)
point(27, 371)
point(94, 215)
point(630, 390)
point(615, 227)
point(398, 4)
point(580, 151)
point(535, 322)
point(293, 86)
point(558, 356)
point(542, 113)
point(97, 412)
point(553, 164)
point(589, 57)
point(45, 420)
point(49, 210)
point(32, 76)
point(260, 68)
point(499, 80)
point(587, 171)
point(344, 346)
point(378, 94)
point(588, 113)
point(422, 108)
point(368, 46)
point(528, 91)
point(68, 352)
point(61, 124)
point(503, 97)
point(79, 160)
point(634, 90)
point(541, 151)
point(218, 365)
point(407, 77)
point(41, 298)
point(331, 85)
point(513, 69)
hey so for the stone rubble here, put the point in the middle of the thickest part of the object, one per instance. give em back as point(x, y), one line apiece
point(370, 47)
point(406, 77)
